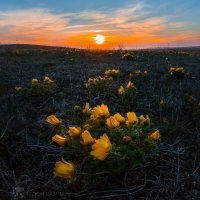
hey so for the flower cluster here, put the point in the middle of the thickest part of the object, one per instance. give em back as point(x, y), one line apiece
point(128, 56)
point(178, 72)
point(139, 74)
point(98, 83)
point(129, 90)
point(112, 72)
point(115, 139)
point(38, 88)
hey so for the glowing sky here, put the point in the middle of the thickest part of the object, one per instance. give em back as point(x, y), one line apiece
point(127, 23)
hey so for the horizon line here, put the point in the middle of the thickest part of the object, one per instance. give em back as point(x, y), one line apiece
point(101, 49)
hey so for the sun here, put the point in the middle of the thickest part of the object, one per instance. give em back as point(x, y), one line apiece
point(99, 39)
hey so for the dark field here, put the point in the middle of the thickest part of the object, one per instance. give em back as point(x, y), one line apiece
point(27, 154)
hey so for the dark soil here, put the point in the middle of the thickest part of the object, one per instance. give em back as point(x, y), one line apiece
point(27, 154)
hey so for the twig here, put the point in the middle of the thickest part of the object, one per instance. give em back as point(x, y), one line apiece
point(2, 135)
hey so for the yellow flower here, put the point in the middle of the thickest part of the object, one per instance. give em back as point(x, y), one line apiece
point(94, 119)
point(101, 148)
point(53, 120)
point(155, 135)
point(48, 80)
point(179, 69)
point(77, 108)
point(144, 120)
point(34, 81)
point(90, 80)
point(126, 138)
point(95, 81)
point(137, 72)
point(60, 140)
point(121, 90)
point(74, 131)
point(172, 69)
point(131, 74)
point(87, 108)
point(110, 78)
point(107, 72)
point(87, 85)
point(145, 73)
point(119, 118)
point(100, 111)
point(162, 104)
point(112, 122)
point(65, 170)
point(129, 85)
point(112, 71)
point(17, 88)
point(131, 118)
point(87, 138)
point(117, 71)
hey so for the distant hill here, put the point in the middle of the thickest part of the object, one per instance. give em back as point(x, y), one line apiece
point(30, 46)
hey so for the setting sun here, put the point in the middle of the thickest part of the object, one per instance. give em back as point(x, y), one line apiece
point(99, 39)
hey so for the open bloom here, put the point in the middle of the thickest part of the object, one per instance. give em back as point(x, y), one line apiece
point(74, 131)
point(107, 72)
point(144, 120)
point(53, 120)
point(48, 80)
point(119, 118)
point(112, 122)
point(121, 90)
point(100, 111)
point(86, 138)
point(60, 139)
point(64, 169)
point(34, 81)
point(101, 148)
point(155, 135)
point(18, 88)
point(131, 118)
point(172, 69)
point(129, 85)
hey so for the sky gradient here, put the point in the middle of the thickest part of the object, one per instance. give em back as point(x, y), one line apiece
point(127, 23)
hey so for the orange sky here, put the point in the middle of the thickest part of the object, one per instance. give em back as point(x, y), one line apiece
point(132, 26)
point(137, 40)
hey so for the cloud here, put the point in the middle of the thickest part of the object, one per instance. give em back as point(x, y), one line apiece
point(33, 21)
point(133, 24)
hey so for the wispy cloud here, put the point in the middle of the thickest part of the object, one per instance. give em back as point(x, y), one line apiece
point(133, 24)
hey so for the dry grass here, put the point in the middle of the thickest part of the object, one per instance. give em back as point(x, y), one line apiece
point(27, 154)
